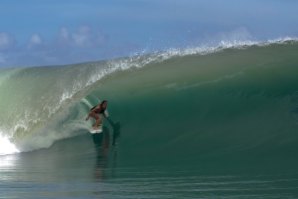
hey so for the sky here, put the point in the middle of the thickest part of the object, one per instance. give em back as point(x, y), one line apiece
point(57, 32)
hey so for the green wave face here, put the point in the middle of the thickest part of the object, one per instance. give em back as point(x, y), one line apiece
point(235, 104)
point(231, 105)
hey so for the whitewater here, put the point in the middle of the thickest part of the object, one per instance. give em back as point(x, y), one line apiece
point(185, 123)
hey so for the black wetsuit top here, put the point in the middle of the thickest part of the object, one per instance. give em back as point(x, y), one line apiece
point(99, 111)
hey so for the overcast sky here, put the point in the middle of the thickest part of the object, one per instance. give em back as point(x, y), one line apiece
point(51, 32)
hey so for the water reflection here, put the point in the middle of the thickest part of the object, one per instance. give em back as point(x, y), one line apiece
point(105, 148)
point(8, 161)
point(7, 165)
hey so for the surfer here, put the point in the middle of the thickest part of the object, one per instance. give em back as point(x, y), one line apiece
point(96, 111)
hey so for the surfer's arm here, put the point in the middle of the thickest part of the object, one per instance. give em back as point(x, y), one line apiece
point(106, 114)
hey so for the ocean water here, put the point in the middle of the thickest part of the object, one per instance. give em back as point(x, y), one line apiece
point(197, 123)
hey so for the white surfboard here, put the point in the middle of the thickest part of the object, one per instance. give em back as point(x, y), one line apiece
point(93, 131)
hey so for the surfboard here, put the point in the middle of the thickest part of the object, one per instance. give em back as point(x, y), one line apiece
point(93, 131)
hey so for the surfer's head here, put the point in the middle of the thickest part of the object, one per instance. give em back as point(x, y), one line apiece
point(104, 104)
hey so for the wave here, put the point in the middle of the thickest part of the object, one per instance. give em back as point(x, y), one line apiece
point(234, 97)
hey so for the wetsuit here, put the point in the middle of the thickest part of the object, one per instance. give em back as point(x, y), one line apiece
point(100, 111)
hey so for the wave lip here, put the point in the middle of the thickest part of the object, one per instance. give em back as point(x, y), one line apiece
point(144, 58)
point(224, 44)
point(7, 147)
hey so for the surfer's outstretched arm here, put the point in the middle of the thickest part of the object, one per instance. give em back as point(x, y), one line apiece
point(89, 115)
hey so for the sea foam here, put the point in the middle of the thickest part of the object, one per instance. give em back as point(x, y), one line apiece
point(6, 146)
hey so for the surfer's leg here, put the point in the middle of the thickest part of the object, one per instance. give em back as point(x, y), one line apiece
point(95, 116)
point(97, 122)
